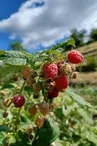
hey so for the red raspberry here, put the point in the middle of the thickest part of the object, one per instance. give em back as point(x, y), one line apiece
point(61, 82)
point(75, 57)
point(59, 65)
point(50, 70)
point(53, 93)
point(18, 101)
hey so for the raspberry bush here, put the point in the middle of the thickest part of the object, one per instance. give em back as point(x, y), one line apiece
point(38, 108)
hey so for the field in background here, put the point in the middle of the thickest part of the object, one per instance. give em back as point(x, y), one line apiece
point(86, 79)
point(87, 49)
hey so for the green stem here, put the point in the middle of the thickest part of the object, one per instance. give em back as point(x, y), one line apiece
point(18, 117)
point(22, 88)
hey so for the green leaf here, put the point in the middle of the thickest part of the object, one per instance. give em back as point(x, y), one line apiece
point(77, 98)
point(59, 45)
point(16, 61)
point(47, 134)
point(28, 90)
point(91, 136)
point(24, 118)
point(59, 112)
point(86, 115)
point(53, 52)
point(2, 137)
point(15, 58)
point(12, 139)
point(10, 85)
point(71, 42)
point(3, 128)
point(16, 54)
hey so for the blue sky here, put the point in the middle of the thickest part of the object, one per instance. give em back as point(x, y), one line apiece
point(7, 7)
point(39, 24)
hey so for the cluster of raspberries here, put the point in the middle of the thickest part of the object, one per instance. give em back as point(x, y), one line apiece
point(56, 77)
point(57, 74)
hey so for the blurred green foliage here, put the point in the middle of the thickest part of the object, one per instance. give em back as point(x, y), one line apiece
point(88, 92)
point(93, 35)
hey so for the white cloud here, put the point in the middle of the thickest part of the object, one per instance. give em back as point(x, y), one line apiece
point(44, 25)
